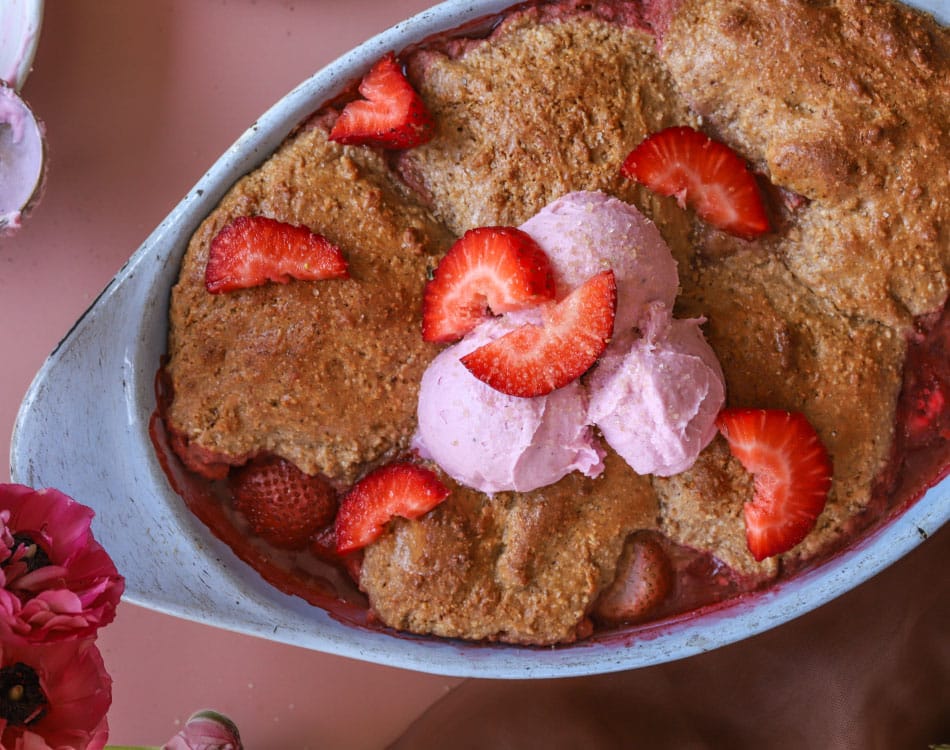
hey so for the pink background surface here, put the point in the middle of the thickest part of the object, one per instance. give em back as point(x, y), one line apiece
point(139, 99)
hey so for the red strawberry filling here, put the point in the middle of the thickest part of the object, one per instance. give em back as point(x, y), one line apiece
point(925, 401)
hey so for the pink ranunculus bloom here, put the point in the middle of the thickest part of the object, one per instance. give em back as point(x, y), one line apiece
point(56, 580)
point(206, 730)
point(53, 696)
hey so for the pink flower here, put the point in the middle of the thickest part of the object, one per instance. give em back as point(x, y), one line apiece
point(206, 730)
point(53, 696)
point(56, 581)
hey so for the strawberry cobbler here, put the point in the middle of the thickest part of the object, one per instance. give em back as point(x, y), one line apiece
point(598, 313)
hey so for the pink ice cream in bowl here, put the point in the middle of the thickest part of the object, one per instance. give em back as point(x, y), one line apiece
point(654, 396)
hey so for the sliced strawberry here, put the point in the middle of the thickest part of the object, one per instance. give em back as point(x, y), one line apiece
point(703, 173)
point(252, 250)
point(391, 115)
point(397, 489)
point(535, 360)
point(282, 505)
point(489, 268)
point(644, 579)
point(791, 473)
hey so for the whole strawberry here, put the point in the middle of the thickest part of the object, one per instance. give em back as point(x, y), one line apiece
point(644, 579)
point(282, 505)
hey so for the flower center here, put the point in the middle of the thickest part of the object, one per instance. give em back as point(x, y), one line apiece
point(22, 700)
point(34, 556)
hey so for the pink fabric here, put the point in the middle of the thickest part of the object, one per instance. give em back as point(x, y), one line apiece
point(870, 670)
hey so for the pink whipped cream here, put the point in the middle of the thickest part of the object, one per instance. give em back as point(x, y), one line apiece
point(654, 395)
point(584, 233)
point(655, 400)
point(494, 442)
point(22, 158)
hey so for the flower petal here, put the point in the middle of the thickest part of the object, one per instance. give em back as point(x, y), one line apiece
point(78, 691)
point(77, 591)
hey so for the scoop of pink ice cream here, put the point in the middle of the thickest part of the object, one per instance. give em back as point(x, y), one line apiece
point(656, 401)
point(493, 442)
point(584, 233)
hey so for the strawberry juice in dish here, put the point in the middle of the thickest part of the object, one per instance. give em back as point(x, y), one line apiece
point(477, 357)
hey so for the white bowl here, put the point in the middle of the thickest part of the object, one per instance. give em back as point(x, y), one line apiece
point(20, 22)
point(68, 436)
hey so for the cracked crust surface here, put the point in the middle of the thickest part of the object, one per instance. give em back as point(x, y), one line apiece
point(845, 103)
point(516, 567)
point(546, 105)
point(783, 347)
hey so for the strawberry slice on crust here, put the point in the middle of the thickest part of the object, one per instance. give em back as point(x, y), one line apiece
point(401, 489)
point(534, 360)
point(496, 269)
point(280, 503)
point(702, 173)
point(252, 250)
point(391, 115)
point(791, 473)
